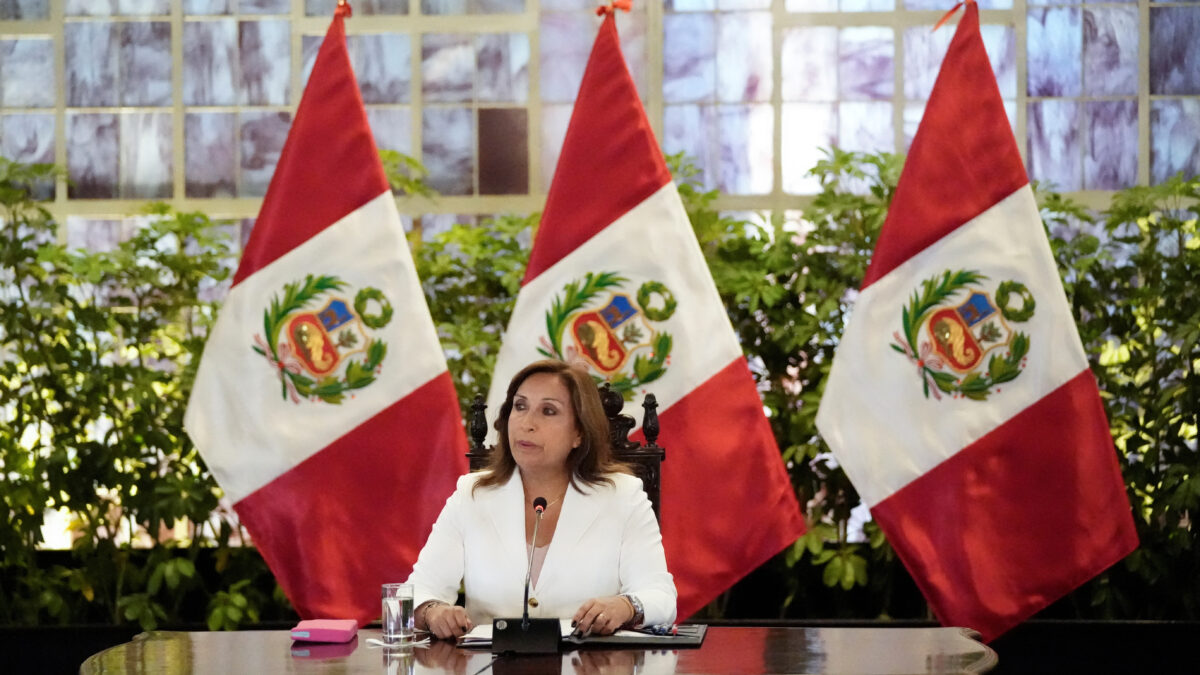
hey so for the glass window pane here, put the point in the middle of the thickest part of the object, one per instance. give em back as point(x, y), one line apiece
point(727, 5)
point(145, 7)
point(689, 57)
point(502, 63)
point(565, 42)
point(361, 7)
point(261, 141)
point(503, 151)
point(747, 137)
point(1175, 50)
point(273, 6)
point(554, 130)
point(27, 10)
point(27, 73)
point(447, 67)
point(382, 66)
point(924, 50)
point(744, 61)
point(146, 63)
point(447, 149)
point(1174, 138)
point(1054, 39)
point(692, 130)
point(811, 5)
point(1110, 50)
point(91, 63)
point(146, 159)
point(867, 5)
point(681, 5)
point(209, 62)
point(266, 62)
point(1001, 45)
point(1112, 145)
point(92, 155)
point(865, 67)
point(309, 46)
point(631, 27)
point(1054, 153)
point(206, 7)
point(392, 127)
point(29, 138)
point(444, 6)
point(810, 64)
point(210, 151)
point(90, 8)
point(497, 6)
point(866, 126)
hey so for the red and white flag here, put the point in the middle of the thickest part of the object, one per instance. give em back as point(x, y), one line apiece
point(616, 278)
point(323, 405)
point(960, 403)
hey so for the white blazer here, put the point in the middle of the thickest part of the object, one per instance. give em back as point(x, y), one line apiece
point(607, 542)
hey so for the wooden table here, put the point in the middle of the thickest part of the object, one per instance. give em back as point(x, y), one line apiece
point(726, 651)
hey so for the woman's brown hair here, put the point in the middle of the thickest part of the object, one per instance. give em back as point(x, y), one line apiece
point(591, 460)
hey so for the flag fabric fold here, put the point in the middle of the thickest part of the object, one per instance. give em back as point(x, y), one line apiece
point(960, 403)
point(323, 405)
point(616, 279)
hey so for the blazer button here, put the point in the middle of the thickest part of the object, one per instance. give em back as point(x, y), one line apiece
point(533, 602)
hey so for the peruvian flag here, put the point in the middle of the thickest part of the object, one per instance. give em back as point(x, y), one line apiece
point(322, 405)
point(616, 279)
point(960, 403)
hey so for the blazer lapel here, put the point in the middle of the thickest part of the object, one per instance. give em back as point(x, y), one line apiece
point(579, 511)
point(504, 509)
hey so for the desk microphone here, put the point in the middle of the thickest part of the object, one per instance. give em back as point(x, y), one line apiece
point(531, 636)
point(539, 507)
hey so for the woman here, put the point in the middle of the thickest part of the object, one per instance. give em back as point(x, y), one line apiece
point(598, 558)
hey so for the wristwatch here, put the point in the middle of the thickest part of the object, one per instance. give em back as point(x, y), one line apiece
point(639, 612)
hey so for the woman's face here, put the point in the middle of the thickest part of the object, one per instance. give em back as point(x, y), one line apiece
point(541, 428)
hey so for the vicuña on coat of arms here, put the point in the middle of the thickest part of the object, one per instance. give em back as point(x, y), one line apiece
point(597, 320)
point(318, 341)
point(960, 335)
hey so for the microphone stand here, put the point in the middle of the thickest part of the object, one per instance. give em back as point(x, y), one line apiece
point(538, 509)
point(529, 636)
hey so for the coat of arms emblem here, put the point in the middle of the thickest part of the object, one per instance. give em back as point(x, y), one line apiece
point(319, 341)
point(960, 335)
point(597, 320)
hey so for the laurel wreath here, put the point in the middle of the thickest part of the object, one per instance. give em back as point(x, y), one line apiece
point(296, 296)
point(578, 293)
point(1003, 292)
point(644, 296)
point(1001, 368)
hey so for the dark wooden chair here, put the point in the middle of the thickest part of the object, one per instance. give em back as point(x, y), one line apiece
point(645, 459)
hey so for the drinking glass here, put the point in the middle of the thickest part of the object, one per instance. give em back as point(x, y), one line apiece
point(397, 612)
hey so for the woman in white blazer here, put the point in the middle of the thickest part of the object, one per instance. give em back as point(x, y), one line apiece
point(598, 558)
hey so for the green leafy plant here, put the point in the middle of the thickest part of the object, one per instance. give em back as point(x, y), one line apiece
point(98, 351)
point(1130, 275)
point(471, 275)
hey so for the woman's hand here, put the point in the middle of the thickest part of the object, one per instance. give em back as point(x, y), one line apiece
point(447, 621)
point(603, 616)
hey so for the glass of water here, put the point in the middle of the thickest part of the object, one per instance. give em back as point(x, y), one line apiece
point(397, 612)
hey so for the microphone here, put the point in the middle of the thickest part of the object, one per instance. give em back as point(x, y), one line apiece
point(539, 507)
point(530, 636)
